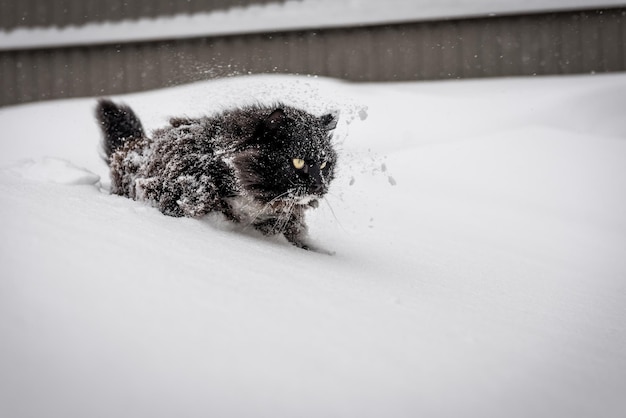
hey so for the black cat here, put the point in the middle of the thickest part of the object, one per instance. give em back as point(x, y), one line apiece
point(257, 165)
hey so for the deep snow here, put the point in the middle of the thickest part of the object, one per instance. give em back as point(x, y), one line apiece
point(479, 233)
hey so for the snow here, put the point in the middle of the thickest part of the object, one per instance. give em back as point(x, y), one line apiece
point(54, 170)
point(277, 16)
point(478, 233)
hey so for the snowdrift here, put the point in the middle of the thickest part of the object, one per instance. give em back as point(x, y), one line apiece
point(478, 233)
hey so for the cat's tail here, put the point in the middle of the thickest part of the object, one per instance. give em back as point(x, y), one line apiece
point(119, 124)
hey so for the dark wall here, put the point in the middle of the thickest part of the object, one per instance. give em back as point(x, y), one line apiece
point(540, 44)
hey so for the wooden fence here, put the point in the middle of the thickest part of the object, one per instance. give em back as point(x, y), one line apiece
point(574, 42)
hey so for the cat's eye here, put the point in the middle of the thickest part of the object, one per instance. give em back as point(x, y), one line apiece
point(298, 163)
point(323, 165)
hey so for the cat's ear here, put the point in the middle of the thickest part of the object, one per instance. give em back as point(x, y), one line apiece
point(276, 119)
point(268, 127)
point(329, 121)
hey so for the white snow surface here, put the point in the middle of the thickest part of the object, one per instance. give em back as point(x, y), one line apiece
point(277, 16)
point(479, 267)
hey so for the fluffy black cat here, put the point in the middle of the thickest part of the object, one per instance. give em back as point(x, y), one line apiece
point(260, 166)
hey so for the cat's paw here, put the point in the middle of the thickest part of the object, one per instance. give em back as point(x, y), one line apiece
point(313, 247)
point(323, 251)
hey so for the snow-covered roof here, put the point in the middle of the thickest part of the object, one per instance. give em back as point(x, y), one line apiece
point(306, 14)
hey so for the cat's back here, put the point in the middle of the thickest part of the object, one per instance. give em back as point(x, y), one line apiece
point(213, 131)
point(239, 124)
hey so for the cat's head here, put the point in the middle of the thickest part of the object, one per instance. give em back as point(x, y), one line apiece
point(289, 157)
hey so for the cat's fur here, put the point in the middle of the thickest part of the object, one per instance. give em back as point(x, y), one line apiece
point(242, 163)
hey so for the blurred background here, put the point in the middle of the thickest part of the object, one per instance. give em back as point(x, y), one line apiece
point(52, 49)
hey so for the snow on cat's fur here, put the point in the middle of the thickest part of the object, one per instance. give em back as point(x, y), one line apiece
point(262, 166)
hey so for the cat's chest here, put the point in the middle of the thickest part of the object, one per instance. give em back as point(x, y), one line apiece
point(250, 210)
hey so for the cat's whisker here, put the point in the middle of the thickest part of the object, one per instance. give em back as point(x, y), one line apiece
point(334, 195)
point(287, 214)
point(263, 210)
point(276, 199)
point(283, 220)
point(333, 213)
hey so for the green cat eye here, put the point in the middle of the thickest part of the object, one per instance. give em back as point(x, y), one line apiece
point(298, 163)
